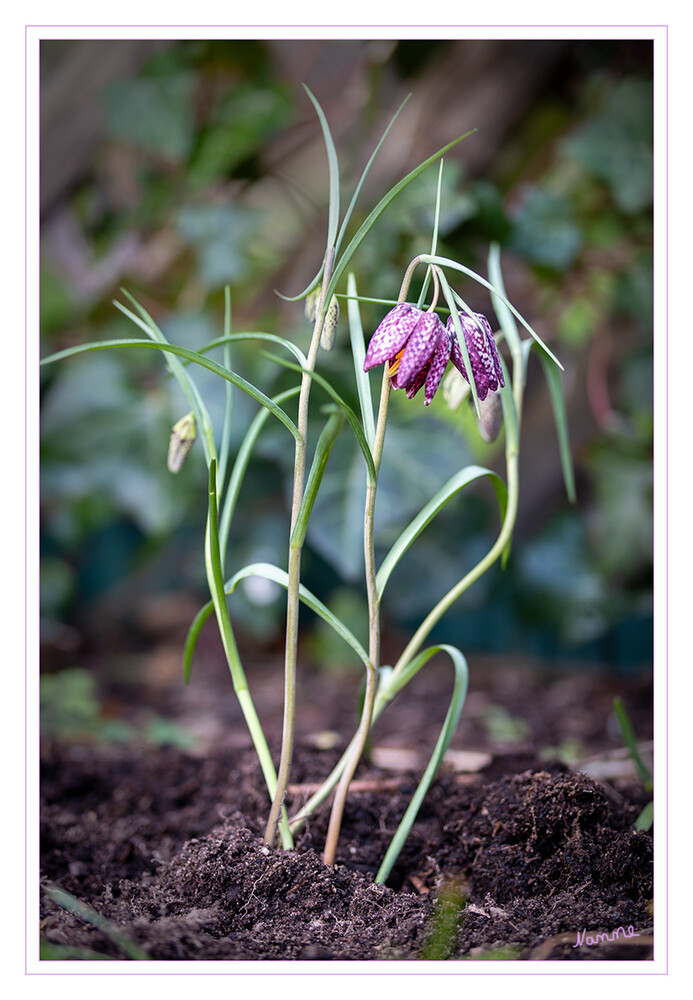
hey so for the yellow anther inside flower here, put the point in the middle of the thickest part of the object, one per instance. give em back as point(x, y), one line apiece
point(395, 364)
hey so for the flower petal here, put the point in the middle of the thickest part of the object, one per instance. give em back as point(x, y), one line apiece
point(392, 334)
point(483, 353)
point(439, 363)
point(423, 341)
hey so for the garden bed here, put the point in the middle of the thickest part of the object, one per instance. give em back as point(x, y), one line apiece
point(513, 853)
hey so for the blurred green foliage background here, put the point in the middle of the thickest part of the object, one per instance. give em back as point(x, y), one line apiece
point(176, 168)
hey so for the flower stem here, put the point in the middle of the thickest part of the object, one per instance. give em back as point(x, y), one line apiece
point(506, 532)
point(294, 567)
point(359, 742)
point(396, 679)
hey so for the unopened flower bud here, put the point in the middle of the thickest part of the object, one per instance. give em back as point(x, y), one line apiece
point(491, 417)
point(329, 329)
point(311, 303)
point(183, 436)
point(455, 389)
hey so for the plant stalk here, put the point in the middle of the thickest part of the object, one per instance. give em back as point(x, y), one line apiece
point(361, 737)
point(294, 566)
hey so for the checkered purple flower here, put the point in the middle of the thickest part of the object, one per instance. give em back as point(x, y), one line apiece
point(482, 350)
point(415, 345)
point(417, 348)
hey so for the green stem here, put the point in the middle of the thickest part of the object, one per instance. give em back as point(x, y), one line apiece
point(506, 532)
point(294, 566)
point(240, 684)
point(397, 678)
point(359, 742)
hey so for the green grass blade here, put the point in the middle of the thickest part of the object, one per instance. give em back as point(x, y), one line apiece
point(505, 316)
point(193, 635)
point(270, 338)
point(96, 919)
point(375, 214)
point(553, 378)
point(225, 445)
point(333, 171)
point(453, 486)
point(184, 379)
point(630, 740)
point(351, 417)
point(192, 356)
point(367, 168)
point(434, 236)
point(327, 438)
point(358, 352)
point(452, 716)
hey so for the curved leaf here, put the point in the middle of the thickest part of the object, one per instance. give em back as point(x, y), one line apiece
point(459, 694)
point(358, 352)
point(323, 448)
point(446, 262)
point(193, 356)
point(453, 486)
point(375, 214)
point(351, 417)
point(553, 379)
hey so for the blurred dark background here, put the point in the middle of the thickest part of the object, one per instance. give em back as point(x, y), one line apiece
point(173, 168)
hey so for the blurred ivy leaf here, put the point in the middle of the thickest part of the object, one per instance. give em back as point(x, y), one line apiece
point(616, 144)
point(154, 114)
point(545, 232)
point(244, 119)
point(218, 234)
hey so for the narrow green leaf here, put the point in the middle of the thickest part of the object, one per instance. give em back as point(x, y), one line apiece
point(192, 356)
point(69, 902)
point(327, 438)
point(351, 417)
point(277, 575)
point(358, 353)
point(630, 740)
point(459, 694)
point(357, 190)
point(505, 316)
point(269, 572)
point(434, 236)
point(270, 338)
point(450, 489)
point(193, 635)
point(451, 299)
point(553, 379)
point(184, 379)
point(446, 262)
point(225, 445)
point(333, 171)
point(375, 214)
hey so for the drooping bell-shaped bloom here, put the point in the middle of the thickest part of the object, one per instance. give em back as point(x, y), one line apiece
point(415, 345)
point(417, 348)
point(483, 353)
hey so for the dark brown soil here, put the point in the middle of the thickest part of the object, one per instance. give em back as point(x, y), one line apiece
point(508, 862)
